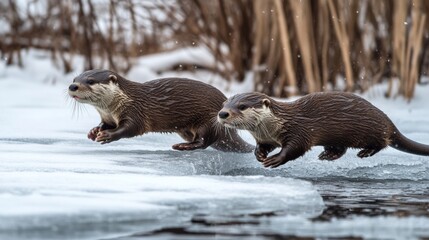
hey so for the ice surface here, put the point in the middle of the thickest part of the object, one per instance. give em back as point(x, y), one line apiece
point(55, 183)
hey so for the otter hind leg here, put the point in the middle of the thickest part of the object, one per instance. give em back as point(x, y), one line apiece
point(201, 139)
point(188, 146)
point(332, 153)
point(187, 135)
point(368, 152)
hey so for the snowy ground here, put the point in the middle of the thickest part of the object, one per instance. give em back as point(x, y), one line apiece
point(57, 184)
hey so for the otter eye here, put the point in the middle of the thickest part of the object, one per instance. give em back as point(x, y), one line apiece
point(90, 82)
point(242, 107)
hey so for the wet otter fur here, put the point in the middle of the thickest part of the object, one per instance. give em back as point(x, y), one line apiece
point(168, 105)
point(334, 120)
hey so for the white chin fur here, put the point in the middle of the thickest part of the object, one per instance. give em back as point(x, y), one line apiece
point(77, 98)
point(235, 126)
point(224, 123)
point(228, 125)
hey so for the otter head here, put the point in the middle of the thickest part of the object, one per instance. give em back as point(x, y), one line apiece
point(95, 87)
point(245, 111)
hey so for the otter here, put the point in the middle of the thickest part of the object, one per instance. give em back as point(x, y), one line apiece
point(168, 105)
point(334, 120)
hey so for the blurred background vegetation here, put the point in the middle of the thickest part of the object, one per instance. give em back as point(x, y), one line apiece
point(290, 46)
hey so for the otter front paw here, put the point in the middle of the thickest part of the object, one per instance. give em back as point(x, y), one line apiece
point(105, 136)
point(261, 154)
point(262, 150)
point(274, 161)
point(93, 133)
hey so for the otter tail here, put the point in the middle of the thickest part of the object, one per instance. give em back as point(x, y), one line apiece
point(405, 144)
point(230, 141)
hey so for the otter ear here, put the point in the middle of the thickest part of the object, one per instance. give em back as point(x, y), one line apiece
point(113, 78)
point(266, 102)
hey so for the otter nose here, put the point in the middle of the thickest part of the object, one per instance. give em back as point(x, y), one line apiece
point(73, 87)
point(223, 115)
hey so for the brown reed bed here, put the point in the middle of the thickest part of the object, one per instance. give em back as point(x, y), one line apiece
point(291, 46)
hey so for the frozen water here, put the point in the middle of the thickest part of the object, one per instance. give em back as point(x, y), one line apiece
point(55, 183)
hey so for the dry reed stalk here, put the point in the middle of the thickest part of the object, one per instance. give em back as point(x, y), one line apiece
point(273, 57)
point(304, 37)
point(323, 34)
point(261, 42)
point(289, 77)
point(15, 24)
point(343, 40)
point(398, 42)
point(260, 25)
point(376, 58)
point(413, 49)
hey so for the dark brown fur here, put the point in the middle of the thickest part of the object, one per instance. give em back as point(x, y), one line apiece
point(334, 120)
point(179, 105)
